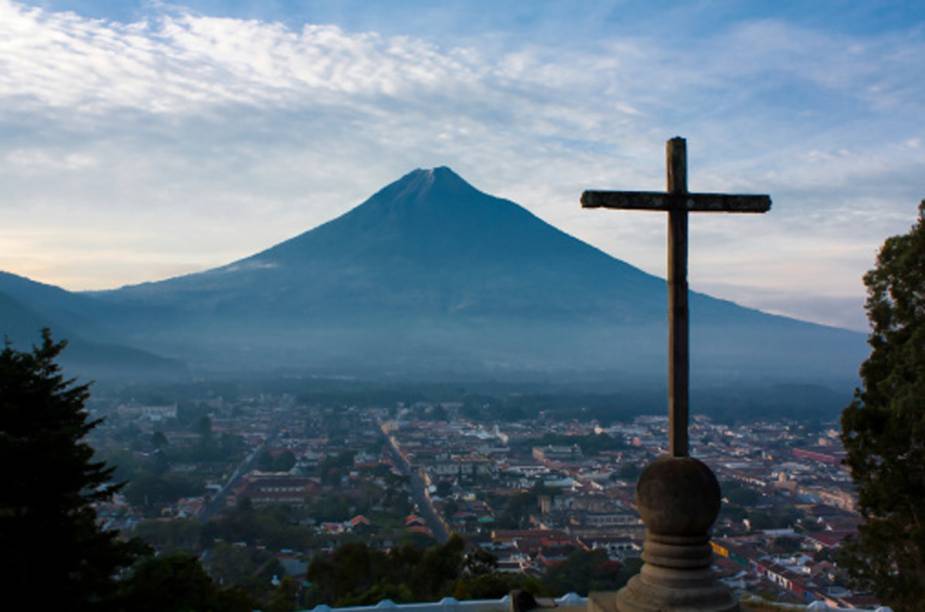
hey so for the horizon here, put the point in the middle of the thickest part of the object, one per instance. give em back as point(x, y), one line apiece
point(144, 141)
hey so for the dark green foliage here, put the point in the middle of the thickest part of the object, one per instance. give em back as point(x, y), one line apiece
point(356, 574)
point(353, 569)
point(584, 571)
point(173, 535)
point(630, 568)
point(884, 428)
point(151, 490)
point(630, 472)
point(479, 562)
point(248, 568)
point(497, 585)
point(780, 517)
point(743, 401)
point(177, 583)
point(225, 447)
point(739, 494)
point(516, 511)
point(158, 440)
point(487, 586)
point(334, 508)
point(48, 526)
point(785, 546)
point(281, 463)
point(284, 598)
point(733, 513)
point(273, 526)
point(444, 488)
point(334, 467)
point(203, 427)
point(590, 444)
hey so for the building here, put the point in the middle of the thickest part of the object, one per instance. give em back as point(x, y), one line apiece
point(265, 489)
point(558, 453)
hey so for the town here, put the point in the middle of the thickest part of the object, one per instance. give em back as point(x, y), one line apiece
point(259, 484)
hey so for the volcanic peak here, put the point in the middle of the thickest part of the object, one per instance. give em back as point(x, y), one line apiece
point(439, 184)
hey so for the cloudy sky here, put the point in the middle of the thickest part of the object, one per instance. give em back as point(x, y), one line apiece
point(141, 140)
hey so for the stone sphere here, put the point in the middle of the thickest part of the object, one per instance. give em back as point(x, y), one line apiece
point(678, 496)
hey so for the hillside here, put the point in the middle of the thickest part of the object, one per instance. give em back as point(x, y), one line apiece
point(85, 358)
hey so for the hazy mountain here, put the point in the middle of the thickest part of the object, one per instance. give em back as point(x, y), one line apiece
point(22, 325)
point(431, 276)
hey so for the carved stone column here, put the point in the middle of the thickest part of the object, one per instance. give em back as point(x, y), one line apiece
point(679, 500)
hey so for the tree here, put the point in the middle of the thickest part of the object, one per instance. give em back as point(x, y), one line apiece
point(285, 597)
point(283, 462)
point(883, 429)
point(177, 582)
point(583, 571)
point(629, 471)
point(159, 440)
point(478, 562)
point(150, 490)
point(48, 525)
point(204, 427)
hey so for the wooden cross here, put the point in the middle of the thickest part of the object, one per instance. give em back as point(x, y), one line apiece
point(677, 202)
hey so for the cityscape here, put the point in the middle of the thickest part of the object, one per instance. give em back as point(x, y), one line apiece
point(529, 491)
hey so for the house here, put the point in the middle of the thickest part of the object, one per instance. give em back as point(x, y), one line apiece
point(420, 530)
point(827, 539)
point(265, 489)
point(557, 453)
point(360, 524)
point(616, 547)
point(413, 520)
point(359, 520)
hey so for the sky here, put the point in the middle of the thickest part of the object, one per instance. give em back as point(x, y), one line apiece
point(144, 139)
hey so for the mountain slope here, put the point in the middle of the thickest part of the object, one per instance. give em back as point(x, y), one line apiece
point(21, 325)
point(432, 275)
point(429, 243)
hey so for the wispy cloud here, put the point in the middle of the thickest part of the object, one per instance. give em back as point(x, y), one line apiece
point(179, 141)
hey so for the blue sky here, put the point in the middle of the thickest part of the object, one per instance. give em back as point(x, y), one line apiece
point(140, 140)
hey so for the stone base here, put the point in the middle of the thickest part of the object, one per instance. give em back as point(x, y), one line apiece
point(678, 499)
point(640, 596)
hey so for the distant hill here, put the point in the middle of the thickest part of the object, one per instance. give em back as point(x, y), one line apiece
point(84, 358)
point(431, 277)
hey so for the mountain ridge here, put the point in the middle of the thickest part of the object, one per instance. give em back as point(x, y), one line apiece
point(429, 272)
point(87, 358)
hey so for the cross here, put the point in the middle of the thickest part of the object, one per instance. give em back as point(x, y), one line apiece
point(677, 202)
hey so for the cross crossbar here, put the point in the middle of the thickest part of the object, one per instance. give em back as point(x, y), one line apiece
point(677, 202)
point(692, 202)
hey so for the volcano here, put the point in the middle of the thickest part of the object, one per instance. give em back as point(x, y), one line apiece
point(432, 276)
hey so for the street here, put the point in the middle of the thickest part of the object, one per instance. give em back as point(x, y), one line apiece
point(419, 494)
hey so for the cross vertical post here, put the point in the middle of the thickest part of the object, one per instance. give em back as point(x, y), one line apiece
point(678, 315)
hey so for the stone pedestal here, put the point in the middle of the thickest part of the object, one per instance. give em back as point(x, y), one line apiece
point(679, 499)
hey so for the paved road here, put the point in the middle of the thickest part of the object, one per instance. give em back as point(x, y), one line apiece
point(419, 494)
point(216, 504)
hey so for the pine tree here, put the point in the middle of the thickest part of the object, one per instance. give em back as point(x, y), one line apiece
point(53, 551)
point(883, 429)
